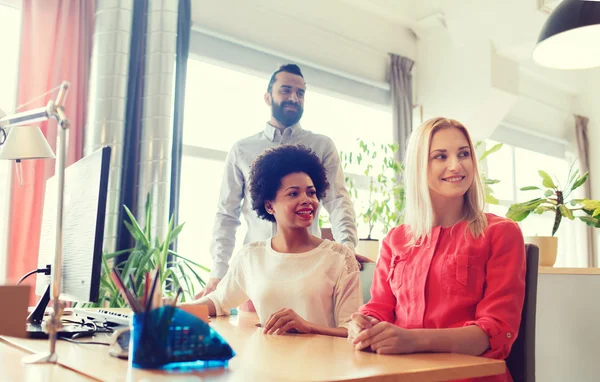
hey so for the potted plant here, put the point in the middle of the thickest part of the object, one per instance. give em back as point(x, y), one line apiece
point(149, 253)
point(555, 199)
point(382, 174)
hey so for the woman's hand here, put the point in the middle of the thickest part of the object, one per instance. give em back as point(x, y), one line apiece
point(359, 323)
point(386, 338)
point(286, 320)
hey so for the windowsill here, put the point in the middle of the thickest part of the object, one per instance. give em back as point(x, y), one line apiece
point(569, 271)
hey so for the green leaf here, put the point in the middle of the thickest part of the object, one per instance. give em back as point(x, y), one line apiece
point(135, 229)
point(565, 212)
point(517, 215)
point(590, 221)
point(547, 180)
point(490, 199)
point(492, 150)
point(548, 193)
point(185, 259)
point(589, 204)
point(541, 209)
point(529, 188)
point(111, 255)
point(580, 181)
point(572, 178)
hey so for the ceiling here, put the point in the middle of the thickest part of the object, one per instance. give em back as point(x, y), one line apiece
point(512, 25)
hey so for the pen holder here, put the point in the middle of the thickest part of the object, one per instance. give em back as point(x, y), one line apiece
point(169, 337)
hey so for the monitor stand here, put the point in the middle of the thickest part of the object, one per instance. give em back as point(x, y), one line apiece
point(35, 326)
point(37, 316)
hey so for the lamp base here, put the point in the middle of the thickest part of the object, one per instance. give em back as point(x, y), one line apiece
point(38, 358)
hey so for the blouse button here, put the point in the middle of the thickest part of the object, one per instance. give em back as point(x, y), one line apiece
point(508, 335)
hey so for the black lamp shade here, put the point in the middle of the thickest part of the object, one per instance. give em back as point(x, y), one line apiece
point(570, 39)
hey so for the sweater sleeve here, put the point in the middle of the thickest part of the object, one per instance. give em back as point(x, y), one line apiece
point(499, 312)
point(347, 291)
point(231, 291)
point(382, 305)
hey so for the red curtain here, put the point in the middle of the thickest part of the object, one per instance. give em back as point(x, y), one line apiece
point(56, 40)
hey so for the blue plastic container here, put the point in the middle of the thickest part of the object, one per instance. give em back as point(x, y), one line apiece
point(170, 338)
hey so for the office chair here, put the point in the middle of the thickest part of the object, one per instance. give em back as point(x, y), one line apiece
point(521, 360)
point(366, 279)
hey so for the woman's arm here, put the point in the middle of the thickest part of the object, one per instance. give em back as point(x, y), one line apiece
point(498, 313)
point(212, 310)
point(382, 305)
point(286, 320)
point(230, 292)
point(470, 340)
point(327, 331)
point(386, 338)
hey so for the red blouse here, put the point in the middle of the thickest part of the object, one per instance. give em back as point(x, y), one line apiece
point(454, 280)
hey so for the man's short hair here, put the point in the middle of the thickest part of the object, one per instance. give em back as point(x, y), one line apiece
point(288, 68)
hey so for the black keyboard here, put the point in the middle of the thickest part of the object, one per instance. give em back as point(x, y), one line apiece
point(67, 331)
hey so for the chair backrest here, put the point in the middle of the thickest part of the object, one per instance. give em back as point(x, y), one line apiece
point(521, 360)
point(366, 279)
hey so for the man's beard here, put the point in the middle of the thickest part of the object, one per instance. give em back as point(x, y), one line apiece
point(286, 117)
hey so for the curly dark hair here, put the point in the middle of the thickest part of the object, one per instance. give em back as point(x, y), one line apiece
point(275, 163)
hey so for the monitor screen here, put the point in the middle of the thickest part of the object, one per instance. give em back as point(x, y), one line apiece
point(84, 210)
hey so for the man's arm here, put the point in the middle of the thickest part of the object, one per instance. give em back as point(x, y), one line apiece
point(337, 201)
point(227, 219)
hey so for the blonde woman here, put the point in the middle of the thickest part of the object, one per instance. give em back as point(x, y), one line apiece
point(451, 278)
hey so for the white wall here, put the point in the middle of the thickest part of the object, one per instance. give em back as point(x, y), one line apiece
point(468, 79)
point(589, 106)
point(567, 328)
point(328, 33)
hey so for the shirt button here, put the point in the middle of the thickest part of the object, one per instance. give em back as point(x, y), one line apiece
point(508, 335)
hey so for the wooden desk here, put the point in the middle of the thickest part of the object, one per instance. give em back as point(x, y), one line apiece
point(11, 368)
point(279, 358)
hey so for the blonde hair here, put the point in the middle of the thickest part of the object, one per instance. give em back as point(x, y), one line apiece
point(418, 212)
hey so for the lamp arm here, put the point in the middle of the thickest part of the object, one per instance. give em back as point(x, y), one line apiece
point(55, 110)
point(51, 110)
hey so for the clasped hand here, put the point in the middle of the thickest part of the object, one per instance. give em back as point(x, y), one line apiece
point(286, 320)
point(367, 333)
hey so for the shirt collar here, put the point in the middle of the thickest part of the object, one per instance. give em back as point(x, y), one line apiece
point(270, 131)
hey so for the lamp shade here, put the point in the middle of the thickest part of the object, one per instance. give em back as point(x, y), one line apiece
point(25, 142)
point(570, 39)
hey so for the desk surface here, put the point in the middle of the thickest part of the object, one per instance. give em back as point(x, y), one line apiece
point(279, 358)
point(11, 368)
point(569, 271)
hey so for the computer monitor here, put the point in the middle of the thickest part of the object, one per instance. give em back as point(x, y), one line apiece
point(84, 211)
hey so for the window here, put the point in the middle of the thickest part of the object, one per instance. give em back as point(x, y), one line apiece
point(224, 105)
point(516, 168)
point(10, 22)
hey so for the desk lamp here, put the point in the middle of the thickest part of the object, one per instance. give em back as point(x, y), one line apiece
point(23, 142)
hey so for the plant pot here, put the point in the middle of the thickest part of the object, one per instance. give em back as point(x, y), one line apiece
point(368, 248)
point(548, 246)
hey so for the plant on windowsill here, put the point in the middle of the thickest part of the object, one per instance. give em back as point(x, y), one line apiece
point(556, 200)
point(149, 253)
point(487, 182)
point(385, 200)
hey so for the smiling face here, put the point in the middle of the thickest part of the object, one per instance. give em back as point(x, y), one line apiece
point(295, 203)
point(450, 168)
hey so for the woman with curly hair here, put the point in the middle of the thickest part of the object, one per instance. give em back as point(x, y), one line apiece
point(297, 282)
